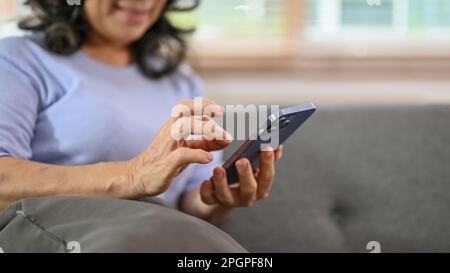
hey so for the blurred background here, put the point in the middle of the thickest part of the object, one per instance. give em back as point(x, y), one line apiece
point(324, 51)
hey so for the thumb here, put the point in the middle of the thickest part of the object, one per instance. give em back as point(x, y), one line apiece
point(184, 156)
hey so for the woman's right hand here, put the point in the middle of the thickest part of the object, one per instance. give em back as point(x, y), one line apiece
point(152, 172)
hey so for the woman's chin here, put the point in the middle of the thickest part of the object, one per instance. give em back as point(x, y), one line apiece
point(128, 38)
point(128, 32)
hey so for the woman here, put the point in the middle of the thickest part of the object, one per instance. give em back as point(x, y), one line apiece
point(85, 110)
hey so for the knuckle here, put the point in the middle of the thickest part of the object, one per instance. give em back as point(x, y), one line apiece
point(205, 199)
point(184, 101)
point(221, 199)
point(269, 157)
point(207, 119)
point(208, 201)
point(249, 203)
point(228, 202)
point(263, 196)
point(247, 192)
point(181, 109)
point(185, 120)
point(269, 174)
point(177, 155)
point(182, 150)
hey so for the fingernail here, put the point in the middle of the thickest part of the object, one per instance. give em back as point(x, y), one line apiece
point(219, 175)
point(209, 157)
point(241, 165)
point(266, 148)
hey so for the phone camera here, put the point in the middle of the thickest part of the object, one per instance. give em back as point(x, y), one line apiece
point(284, 123)
point(271, 129)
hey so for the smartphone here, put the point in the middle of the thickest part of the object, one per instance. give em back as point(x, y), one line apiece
point(284, 124)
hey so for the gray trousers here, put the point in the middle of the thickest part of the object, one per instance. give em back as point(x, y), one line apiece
point(77, 224)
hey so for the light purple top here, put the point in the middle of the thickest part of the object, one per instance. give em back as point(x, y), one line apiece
point(74, 110)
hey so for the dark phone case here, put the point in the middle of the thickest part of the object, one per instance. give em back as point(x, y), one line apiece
point(297, 115)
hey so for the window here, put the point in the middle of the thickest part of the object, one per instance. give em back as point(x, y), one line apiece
point(257, 19)
point(429, 14)
point(356, 13)
point(331, 19)
point(260, 27)
point(290, 30)
point(9, 11)
point(242, 30)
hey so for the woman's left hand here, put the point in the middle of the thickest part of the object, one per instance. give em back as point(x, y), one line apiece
point(252, 186)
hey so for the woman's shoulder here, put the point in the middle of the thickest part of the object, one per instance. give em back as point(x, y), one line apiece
point(24, 52)
point(9, 44)
point(19, 46)
point(26, 57)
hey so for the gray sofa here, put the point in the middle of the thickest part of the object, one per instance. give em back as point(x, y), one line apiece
point(351, 176)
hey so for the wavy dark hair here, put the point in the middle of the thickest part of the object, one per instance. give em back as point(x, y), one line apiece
point(65, 31)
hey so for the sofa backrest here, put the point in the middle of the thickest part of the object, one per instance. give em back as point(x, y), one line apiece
point(355, 175)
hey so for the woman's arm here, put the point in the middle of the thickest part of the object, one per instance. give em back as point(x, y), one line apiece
point(148, 174)
point(21, 179)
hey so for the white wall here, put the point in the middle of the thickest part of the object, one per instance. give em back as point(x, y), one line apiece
point(413, 84)
point(245, 90)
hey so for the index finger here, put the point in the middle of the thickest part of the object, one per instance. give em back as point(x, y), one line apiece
point(197, 107)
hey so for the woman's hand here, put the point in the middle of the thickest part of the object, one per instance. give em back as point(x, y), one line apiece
point(152, 172)
point(252, 186)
